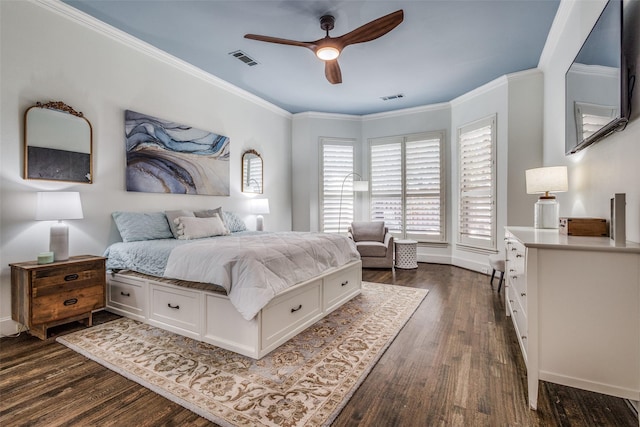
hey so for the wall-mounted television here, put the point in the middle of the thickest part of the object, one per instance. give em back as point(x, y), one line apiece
point(597, 84)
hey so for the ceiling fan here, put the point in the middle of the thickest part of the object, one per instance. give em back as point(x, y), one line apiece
point(329, 48)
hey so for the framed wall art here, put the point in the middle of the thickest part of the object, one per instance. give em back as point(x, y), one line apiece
point(167, 157)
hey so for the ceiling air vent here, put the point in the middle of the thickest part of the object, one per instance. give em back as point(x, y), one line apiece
point(243, 57)
point(390, 97)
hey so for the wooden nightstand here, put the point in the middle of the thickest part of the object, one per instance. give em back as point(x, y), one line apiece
point(46, 295)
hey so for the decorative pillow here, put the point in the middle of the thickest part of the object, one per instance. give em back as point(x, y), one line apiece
point(135, 226)
point(172, 215)
point(368, 231)
point(196, 228)
point(234, 222)
point(212, 212)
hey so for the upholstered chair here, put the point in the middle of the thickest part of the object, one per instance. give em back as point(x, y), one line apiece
point(374, 242)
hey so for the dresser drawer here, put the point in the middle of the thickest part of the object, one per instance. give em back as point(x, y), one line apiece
point(289, 311)
point(49, 281)
point(341, 287)
point(175, 307)
point(128, 296)
point(67, 303)
point(519, 318)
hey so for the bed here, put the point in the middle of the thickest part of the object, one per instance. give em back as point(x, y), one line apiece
point(243, 291)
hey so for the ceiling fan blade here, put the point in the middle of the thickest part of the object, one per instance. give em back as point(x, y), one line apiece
point(373, 29)
point(332, 71)
point(308, 45)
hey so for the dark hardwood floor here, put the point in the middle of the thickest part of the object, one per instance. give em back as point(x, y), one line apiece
point(455, 363)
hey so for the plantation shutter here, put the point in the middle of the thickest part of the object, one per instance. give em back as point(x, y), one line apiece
point(407, 185)
point(477, 207)
point(386, 185)
point(337, 212)
point(424, 210)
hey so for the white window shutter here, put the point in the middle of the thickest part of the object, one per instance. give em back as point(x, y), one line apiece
point(407, 186)
point(337, 203)
point(477, 184)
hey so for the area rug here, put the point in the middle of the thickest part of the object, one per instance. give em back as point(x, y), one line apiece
point(304, 382)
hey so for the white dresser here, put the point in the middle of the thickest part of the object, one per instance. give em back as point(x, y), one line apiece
point(575, 305)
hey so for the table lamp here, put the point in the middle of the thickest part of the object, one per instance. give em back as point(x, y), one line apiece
point(59, 205)
point(545, 181)
point(260, 207)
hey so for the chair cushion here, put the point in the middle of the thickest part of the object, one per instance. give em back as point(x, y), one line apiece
point(496, 261)
point(372, 231)
point(372, 249)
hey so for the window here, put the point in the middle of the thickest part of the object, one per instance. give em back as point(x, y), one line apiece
point(337, 197)
point(407, 185)
point(477, 181)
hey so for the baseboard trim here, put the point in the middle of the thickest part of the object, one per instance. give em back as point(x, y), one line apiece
point(8, 327)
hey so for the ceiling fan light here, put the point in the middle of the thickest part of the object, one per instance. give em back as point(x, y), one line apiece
point(327, 53)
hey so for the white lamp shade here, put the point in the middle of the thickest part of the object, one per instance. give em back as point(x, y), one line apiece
point(549, 179)
point(260, 206)
point(58, 205)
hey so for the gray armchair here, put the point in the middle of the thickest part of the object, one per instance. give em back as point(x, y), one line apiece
point(374, 242)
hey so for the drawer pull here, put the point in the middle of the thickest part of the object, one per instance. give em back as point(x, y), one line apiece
point(293, 310)
point(345, 283)
point(70, 277)
point(514, 249)
point(518, 255)
point(125, 294)
point(524, 337)
point(70, 301)
point(175, 307)
point(523, 294)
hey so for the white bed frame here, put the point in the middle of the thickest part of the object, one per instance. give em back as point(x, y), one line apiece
point(209, 316)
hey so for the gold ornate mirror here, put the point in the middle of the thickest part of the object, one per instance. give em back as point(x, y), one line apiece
point(57, 143)
point(251, 172)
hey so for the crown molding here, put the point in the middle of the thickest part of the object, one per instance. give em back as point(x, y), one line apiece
point(119, 36)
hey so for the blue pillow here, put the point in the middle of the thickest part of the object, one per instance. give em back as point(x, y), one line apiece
point(234, 222)
point(136, 226)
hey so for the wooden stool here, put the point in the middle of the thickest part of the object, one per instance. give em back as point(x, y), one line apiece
point(496, 262)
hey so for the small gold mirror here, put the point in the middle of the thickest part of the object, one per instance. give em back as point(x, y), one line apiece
point(251, 172)
point(57, 143)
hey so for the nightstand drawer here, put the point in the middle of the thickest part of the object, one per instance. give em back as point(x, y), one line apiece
point(53, 280)
point(62, 305)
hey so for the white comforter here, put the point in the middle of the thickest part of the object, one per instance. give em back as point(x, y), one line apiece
point(254, 269)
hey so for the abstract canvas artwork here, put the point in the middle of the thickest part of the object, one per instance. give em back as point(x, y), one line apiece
point(166, 157)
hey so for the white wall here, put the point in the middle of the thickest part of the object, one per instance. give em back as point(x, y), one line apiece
point(611, 165)
point(51, 52)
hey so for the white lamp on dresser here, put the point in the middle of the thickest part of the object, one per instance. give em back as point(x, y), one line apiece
point(545, 181)
point(59, 205)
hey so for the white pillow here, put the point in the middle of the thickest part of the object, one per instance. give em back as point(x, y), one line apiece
point(196, 228)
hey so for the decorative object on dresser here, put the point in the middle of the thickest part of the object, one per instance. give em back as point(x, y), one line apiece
point(544, 181)
point(305, 382)
point(259, 207)
point(167, 157)
point(618, 218)
point(584, 227)
point(575, 306)
point(48, 295)
point(57, 143)
point(59, 205)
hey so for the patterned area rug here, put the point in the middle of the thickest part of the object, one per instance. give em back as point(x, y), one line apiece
point(304, 382)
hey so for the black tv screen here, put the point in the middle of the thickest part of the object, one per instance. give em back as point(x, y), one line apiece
point(597, 101)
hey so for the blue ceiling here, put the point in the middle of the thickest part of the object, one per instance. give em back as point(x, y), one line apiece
point(443, 49)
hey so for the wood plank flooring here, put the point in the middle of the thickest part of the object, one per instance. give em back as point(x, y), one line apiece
point(455, 363)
